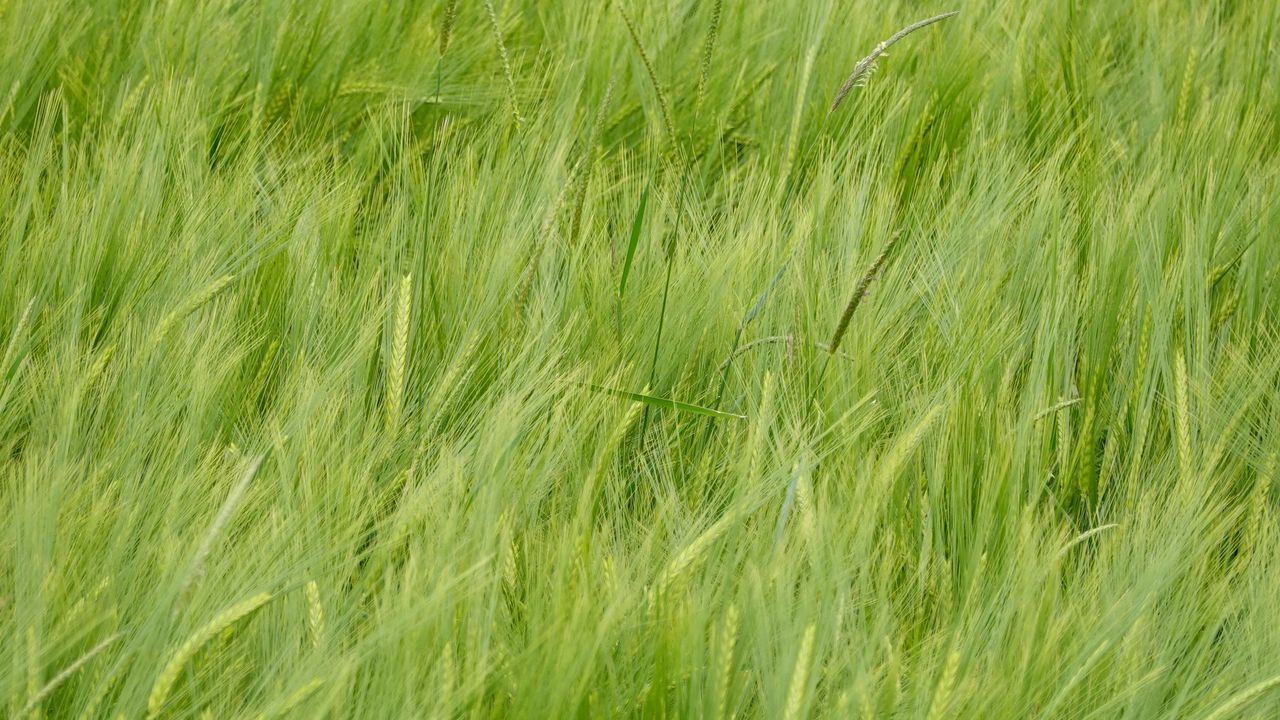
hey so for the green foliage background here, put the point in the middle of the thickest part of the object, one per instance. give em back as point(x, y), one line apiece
point(299, 298)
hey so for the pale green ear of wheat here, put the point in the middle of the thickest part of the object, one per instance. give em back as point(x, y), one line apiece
point(179, 313)
point(315, 614)
point(294, 700)
point(942, 696)
point(1243, 699)
point(169, 675)
point(66, 674)
point(399, 352)
point(215, 528)
point(724, 678)
point(800, 676)
point(1182, 414)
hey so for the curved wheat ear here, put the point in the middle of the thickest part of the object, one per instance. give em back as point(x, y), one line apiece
point(66, 673)
point(1243, 699)
point(860, 292)
point(866, 63)
point(182, 311)
point(169, 675)
point(295, 699)
point(228, 509)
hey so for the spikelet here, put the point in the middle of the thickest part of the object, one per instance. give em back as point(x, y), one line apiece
point(942, 696)
point(1258, 512)
point(66, 673)
point(452, 378)
point(1220, 272)
point(1243, 699)
point(868, 711)
point(510, 577)
point(1182, 417)
point(725, 677)
point(860, 291)
point(446, 30)
point(399, 353)
point(101, 686)
point(224, 514)
point(130, 102)
point(315, 614)
point(169, 675)
point(1144, 350)
point(1228, 432)
point(98, 367)
point(922, 126)
point(1226, 310)
point(802, 91)
point(264, 368)
point(1064, 446)
point(195, 303)
point(800, 676)
point(866, 63)
point(805, 508)
point(295, 699)
point(506, 62)
point(688, 558)
point(760, 430)
point(1188, 80)
point(663, 106)
point(11, 349)
point(897, 455)
point(1110, 450)
point(582, 179)
point(707, 49)
point(448, 676)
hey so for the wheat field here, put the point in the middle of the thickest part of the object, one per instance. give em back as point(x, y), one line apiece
point(682, 358)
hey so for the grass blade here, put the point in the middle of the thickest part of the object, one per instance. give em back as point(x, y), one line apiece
point(637, 224)
point(660, 402)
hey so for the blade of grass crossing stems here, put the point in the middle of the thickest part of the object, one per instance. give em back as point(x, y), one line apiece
point(666, 403)
point(670, 250)
point(750, 315)
point(637, 224)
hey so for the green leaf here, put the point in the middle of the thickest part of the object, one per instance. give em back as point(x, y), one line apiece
point(664, 402)
point(636, 225)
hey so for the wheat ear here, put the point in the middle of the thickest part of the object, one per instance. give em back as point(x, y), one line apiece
point(860, 292)
point(228, 508)
point(169, 675)
point(800, 677)
point(446, 30)
point(663, 106)
point(66, 673)
point(506, 62)
point(866, 63)
point(399, 352)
